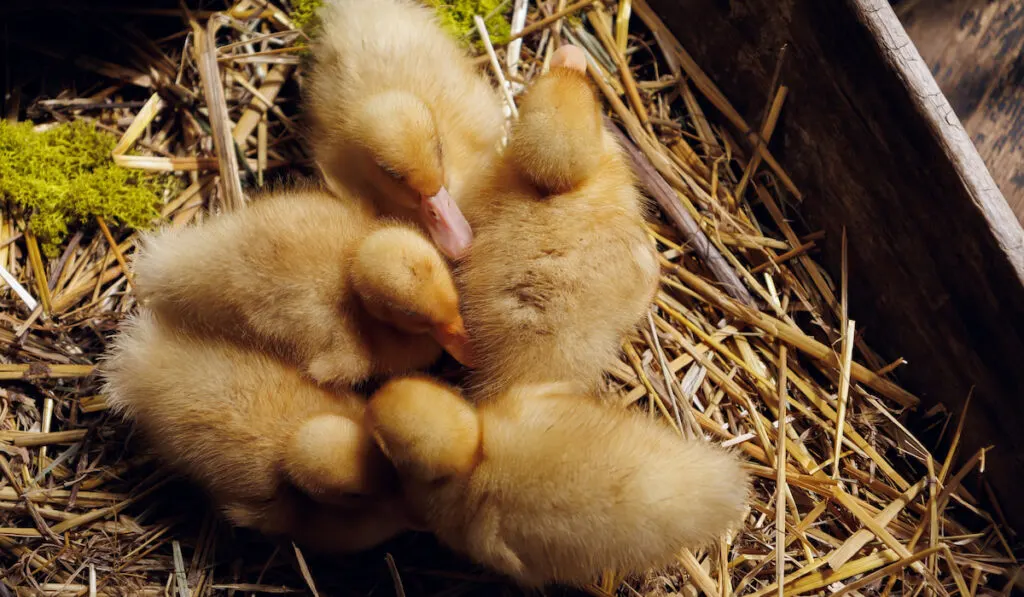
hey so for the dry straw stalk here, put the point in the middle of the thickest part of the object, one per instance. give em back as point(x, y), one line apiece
point(746, 342)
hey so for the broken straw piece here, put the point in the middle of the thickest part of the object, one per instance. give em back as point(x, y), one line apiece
point(20, 290)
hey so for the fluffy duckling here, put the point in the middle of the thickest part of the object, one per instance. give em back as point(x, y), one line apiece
point(561, 266)
point(276, 452)
point(547, 485)
point(319, 281)
point(400, 114)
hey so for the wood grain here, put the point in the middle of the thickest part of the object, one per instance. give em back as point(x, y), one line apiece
point(975, 49)
point(936, 257)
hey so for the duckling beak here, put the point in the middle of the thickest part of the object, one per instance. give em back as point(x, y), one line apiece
point(454, 338)
point(446, 224)
point(571, 57)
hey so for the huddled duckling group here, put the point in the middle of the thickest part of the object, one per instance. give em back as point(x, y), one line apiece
point(257, 328)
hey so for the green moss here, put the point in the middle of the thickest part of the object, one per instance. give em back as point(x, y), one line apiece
point(65, 175)
point(304, 15)
point(457, 18)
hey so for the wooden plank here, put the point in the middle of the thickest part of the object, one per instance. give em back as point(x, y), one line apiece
point(936, 256)
point(974, 49)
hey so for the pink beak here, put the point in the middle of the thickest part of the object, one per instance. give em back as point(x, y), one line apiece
point(446, 224)
point(454, 339)
point(571, 57)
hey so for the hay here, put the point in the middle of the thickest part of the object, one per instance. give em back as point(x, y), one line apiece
point(747, 341)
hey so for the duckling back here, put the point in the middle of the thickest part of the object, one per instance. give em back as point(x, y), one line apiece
point(218, 412)
point(561, 267)
point(578, 487)
point(391, 44)
point(278, 276)
point(233, 271)
point(549, 485)
point(229, 419)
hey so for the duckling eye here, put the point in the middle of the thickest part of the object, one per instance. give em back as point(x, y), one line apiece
point(402, 311)
point(392, 172)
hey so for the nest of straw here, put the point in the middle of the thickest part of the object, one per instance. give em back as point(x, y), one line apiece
point(748, 342)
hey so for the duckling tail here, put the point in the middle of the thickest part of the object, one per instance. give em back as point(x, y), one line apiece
point(712, 488)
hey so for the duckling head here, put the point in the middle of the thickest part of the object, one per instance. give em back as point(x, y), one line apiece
point(335, 460)
point(557, 142)
point(401, 135)
point(402, 280)
point(427, 430)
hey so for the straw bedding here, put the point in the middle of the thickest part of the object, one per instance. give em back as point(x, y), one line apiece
point(746, 326)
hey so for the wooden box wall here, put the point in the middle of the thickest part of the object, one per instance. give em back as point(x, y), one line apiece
point(936, 257)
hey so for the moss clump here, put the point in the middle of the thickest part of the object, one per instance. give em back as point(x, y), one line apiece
point(304, 15)
point(457, 18)
point(66, 174)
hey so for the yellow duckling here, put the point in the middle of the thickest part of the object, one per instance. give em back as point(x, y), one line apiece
point(275, 452)
point(548, 485)
point(319, 281)
point(561, 267)
point(400, 114)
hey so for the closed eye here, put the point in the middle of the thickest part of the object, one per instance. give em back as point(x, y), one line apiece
point(392, 172)
point(406, 312)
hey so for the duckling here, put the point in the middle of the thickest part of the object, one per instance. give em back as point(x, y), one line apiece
point(319, 281)
point(561, 267)
point(276, 452)
point(399, 114)
point(547, 485)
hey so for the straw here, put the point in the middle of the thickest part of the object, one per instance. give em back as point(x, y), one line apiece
point(748, 341)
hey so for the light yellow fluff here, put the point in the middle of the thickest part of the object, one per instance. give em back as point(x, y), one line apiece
point(397, 108)
point(275, 452)
point(318, 281)
point(561, 267)
point(548, 485)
